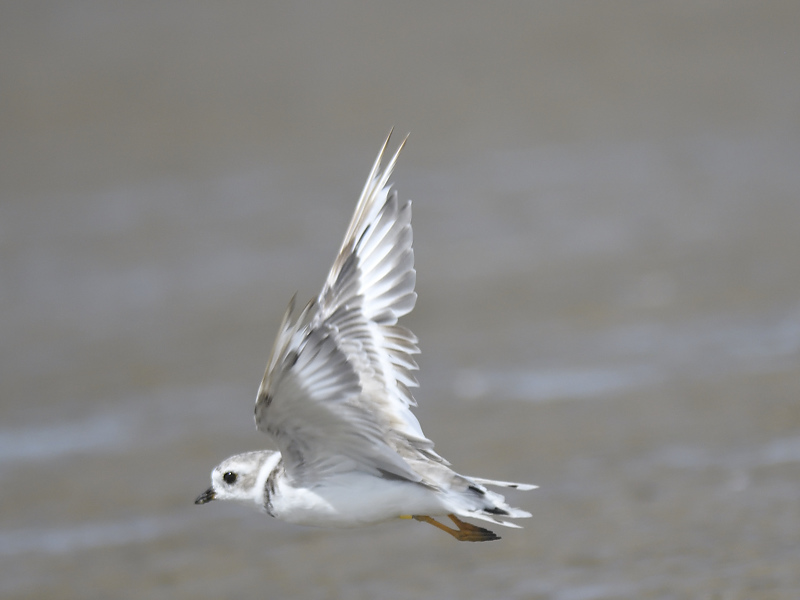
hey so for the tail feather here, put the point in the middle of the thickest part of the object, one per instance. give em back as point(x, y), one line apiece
point(507, 484)
point(476, 514)
point(487, 505)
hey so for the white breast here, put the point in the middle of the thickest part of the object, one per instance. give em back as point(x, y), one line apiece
point(353, 499)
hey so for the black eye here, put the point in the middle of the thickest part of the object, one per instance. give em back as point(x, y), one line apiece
point(229, 478)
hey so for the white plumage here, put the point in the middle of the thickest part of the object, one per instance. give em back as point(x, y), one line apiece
point(336, 397)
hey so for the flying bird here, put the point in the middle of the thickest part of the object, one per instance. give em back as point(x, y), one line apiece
point(336, 399)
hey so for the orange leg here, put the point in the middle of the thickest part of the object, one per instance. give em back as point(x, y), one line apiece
point(466, 532)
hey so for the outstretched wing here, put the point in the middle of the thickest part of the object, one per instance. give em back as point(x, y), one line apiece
point(336, 393)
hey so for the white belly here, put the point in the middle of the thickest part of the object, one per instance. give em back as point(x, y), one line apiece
point(354, 499)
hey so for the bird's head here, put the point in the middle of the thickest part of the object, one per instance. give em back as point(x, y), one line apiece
point(240, 477)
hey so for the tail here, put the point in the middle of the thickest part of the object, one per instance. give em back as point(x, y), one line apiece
point(523, 487)
point(490, 506)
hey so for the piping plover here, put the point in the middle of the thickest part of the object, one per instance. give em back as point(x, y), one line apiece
point(336, 399)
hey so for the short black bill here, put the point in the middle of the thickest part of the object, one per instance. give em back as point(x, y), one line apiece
point(206, 496)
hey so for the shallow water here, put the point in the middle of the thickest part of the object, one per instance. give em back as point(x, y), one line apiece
point(605, 213)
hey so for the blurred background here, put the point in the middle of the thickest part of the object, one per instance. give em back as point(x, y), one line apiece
point(606, 213)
